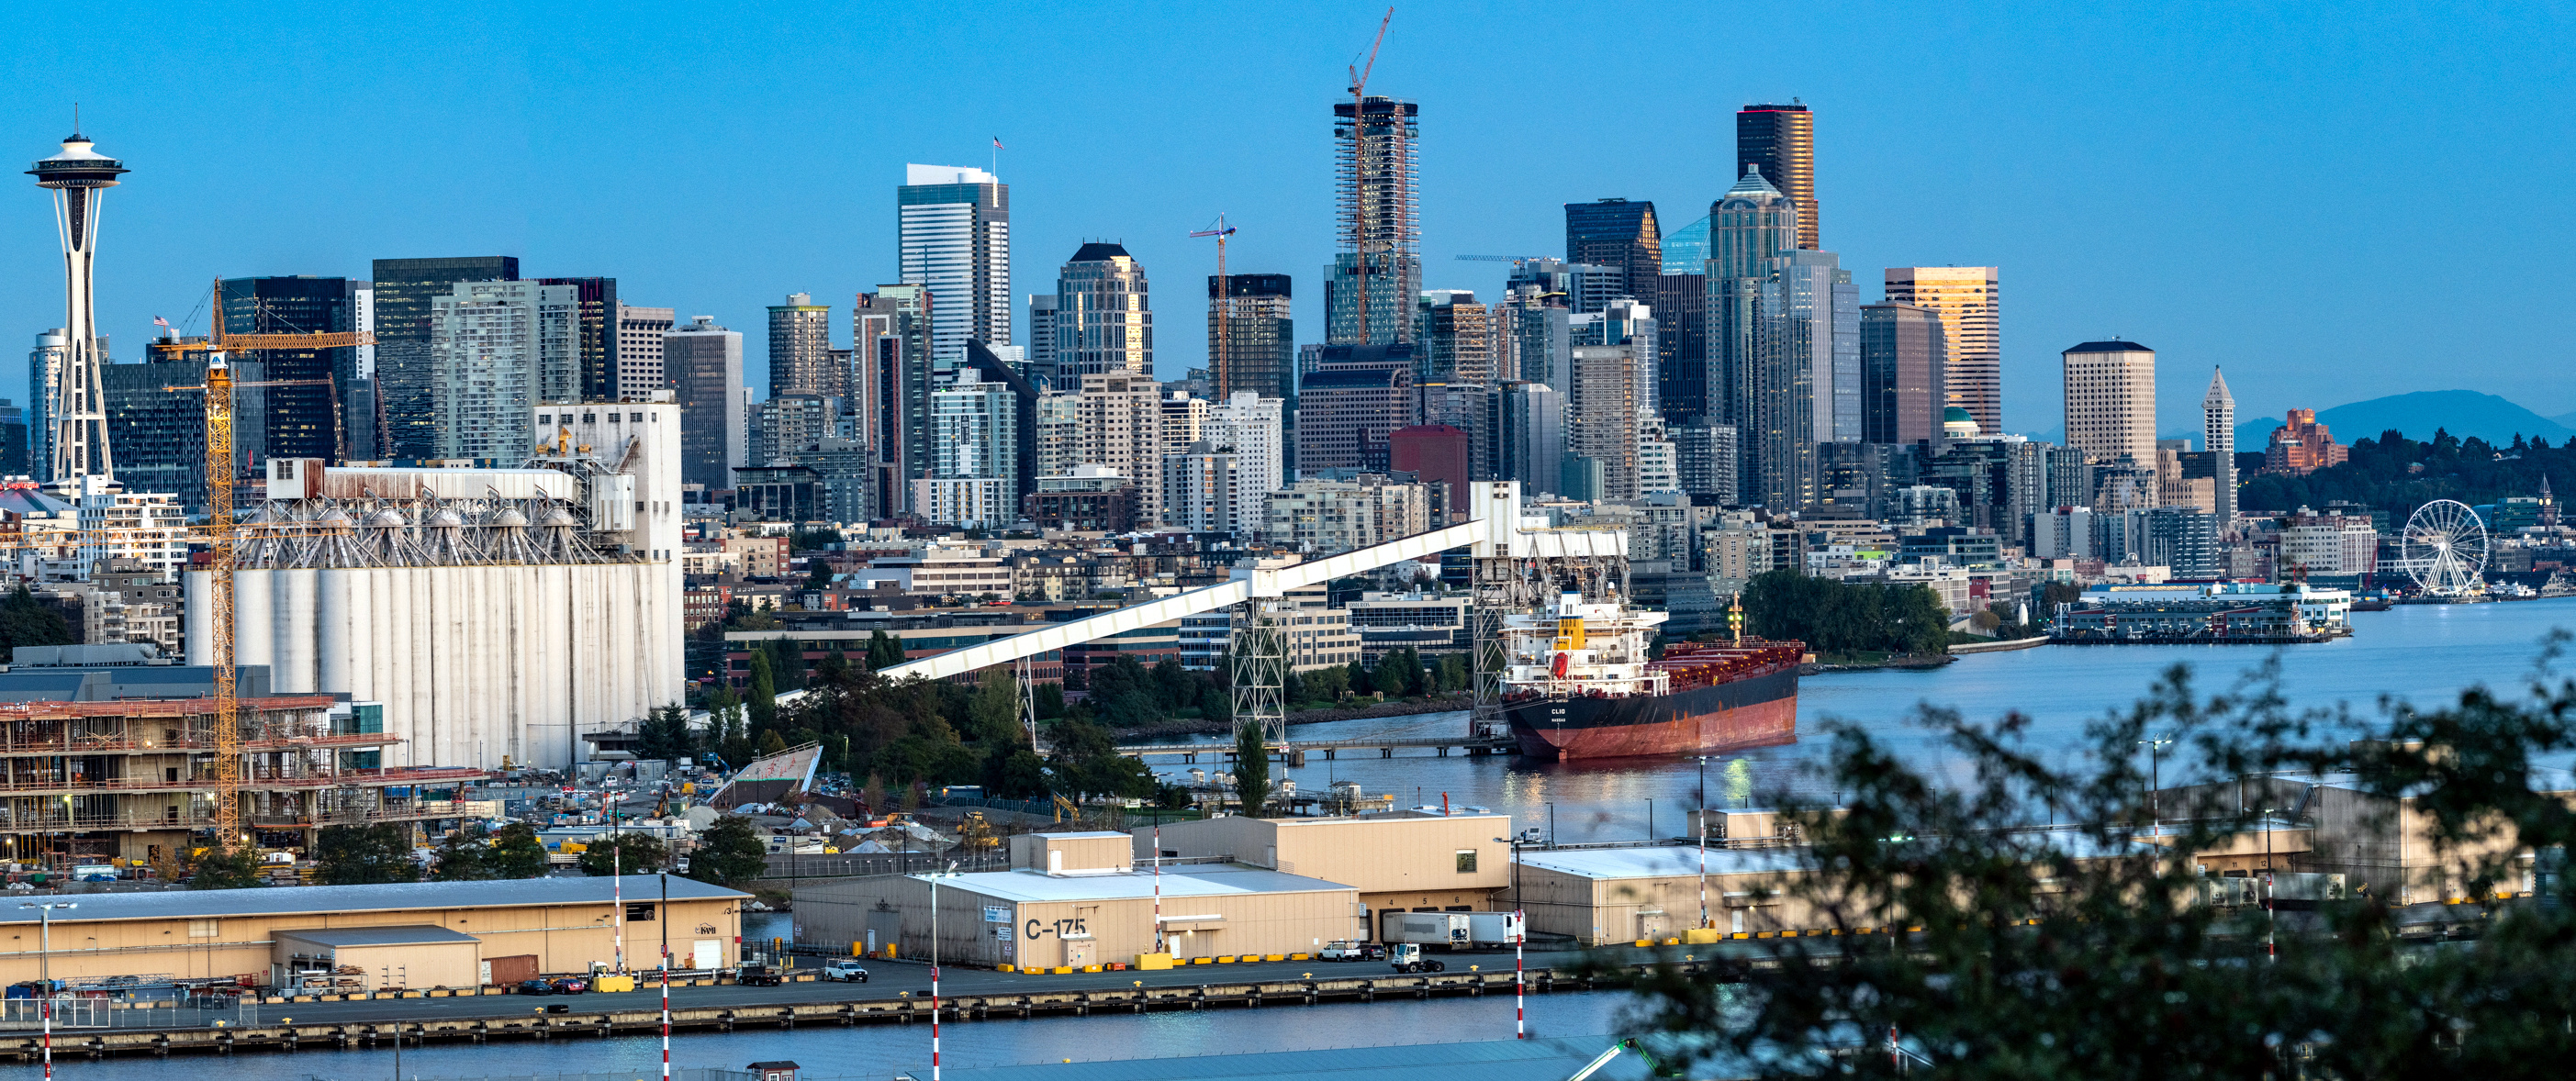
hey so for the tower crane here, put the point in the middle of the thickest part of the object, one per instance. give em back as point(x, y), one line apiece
point(223, 538)
point(1359, 166)
point(1225, 307)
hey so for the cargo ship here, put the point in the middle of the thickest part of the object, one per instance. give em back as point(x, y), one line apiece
point(1577, 683)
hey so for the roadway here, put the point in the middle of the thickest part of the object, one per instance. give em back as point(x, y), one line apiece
point(888, 979)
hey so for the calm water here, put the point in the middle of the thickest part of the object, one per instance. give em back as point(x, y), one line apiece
point(2423, 653)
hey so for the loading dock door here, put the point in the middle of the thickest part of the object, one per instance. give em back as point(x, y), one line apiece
point(709, 954)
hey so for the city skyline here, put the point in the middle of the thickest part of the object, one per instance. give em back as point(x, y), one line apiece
point(2091, 255)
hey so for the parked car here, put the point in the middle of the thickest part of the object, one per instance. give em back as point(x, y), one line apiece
point(536, 987)
point(571, 985)
point(845, 970)
point(1348, 950)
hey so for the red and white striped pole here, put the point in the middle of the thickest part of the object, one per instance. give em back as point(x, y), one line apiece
point(1520, 994)
point(934, 1023)
point(663, 917)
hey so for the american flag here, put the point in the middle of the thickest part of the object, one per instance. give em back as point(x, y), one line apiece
point(160, 322)
point(997, 143)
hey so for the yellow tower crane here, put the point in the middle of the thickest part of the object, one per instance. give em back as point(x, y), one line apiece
point(223, 537)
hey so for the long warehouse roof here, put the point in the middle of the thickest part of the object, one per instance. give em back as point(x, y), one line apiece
point(1193, 880)
point(331, 900)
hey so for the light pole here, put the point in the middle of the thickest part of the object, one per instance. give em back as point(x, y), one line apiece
point(2271, 913)
point(2155, 775)
point(45, 969)
point(1703, 842)
point(934, 877)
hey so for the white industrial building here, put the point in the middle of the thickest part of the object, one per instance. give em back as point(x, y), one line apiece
point(498, 614)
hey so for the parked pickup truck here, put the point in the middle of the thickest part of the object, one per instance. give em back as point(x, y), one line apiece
point(1347, 950)
point(845, 970)
point(758, 976)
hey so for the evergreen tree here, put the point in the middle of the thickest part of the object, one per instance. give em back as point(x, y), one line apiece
point(225, 868)
point(729, 853)
point(516, 852)
point(1251, 769)
point(763, 700)
point(463, 855)
point(26, 621)
point(364, 855)
point(664, 734)
point(630, 853)
point(883, 651)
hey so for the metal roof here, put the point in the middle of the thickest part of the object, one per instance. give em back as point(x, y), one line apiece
point(1195, 880)
point(405, 935)
point(1495, 1060)
point(333, 900)
point(1662, 862)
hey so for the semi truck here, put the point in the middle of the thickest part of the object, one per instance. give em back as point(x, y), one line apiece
point(1456, 930)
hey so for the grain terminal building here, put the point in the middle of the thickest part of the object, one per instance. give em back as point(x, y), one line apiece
point(422, 934)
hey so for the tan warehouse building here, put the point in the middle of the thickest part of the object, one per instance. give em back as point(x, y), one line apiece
point(1076, 900)
point(1608, 895)
point(424, 934)
point(1408, 860)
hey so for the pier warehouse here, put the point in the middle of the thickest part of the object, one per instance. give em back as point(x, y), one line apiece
point(496, 613)
point(1406, 860)
point(1075, 900)
point(443, 932)
point(2249, 612)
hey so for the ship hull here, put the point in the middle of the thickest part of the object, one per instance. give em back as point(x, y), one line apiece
point(1758, 712)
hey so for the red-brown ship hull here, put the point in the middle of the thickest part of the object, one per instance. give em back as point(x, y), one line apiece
point(1761, 711)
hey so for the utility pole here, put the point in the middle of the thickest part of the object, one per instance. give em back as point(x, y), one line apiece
point(662, 916)
point(934, 877)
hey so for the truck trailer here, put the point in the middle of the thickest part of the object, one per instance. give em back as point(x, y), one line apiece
point(1456, 930)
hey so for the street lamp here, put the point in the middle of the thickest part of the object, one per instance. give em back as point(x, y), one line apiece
point(2271, 912)
point(934, 878)
point(45, 969)
point(1703, 842)
point(2155, 774)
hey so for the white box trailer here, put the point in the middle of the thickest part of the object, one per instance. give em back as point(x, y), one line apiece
point(1456, 930)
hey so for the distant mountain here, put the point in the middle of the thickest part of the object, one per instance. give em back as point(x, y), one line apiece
point(2463, 413)
point(2568, 419)
point(2250, 435)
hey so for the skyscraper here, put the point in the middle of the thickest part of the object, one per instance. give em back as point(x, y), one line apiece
point(1042, 367)
point(303, 421)
point(703, 362)
point(1601, 416)
point(890, 390)
point(1748, 226)
point(1527, 422)
point(1782, 140)
point(595, 340)
point(44, 385)
point(954, 236)
point(1250, 425)
point(1451, 338)
point(1104, 321)
point(1369, 296)
point(1261, 344)
point(492, 346)
point(639, 368)
point(1616, 232)
point(404, 292)
point(1901, 353)
point(2218, 437)
point(2111, 402)
point(800, 349)
point(1969, 300)
point(1808, 363)
point(79, 178)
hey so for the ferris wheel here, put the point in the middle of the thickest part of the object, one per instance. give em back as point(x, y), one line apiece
point(2445, 548)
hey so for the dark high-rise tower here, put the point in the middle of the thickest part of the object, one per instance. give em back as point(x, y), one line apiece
point(594, 341)
point(1782, 140)
point(1262, 343)
point(1619, 233)
point(404, 290)
point(302, 421)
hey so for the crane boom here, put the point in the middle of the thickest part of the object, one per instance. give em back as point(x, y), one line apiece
point(1359, 167)
point(1224, 306)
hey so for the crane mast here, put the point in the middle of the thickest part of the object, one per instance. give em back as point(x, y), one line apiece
point(1359, 167)
point(219, 522)
point(1225, 307)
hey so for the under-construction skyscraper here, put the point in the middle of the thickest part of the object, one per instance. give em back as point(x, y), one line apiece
point(1378, 272)
point(79, 178)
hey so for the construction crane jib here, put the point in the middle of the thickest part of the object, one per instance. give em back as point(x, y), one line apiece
point(1495, 531)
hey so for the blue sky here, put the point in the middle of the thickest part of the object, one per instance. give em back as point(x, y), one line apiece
point(2334, 201)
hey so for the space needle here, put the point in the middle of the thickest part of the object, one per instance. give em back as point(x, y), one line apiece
point(79, 178)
